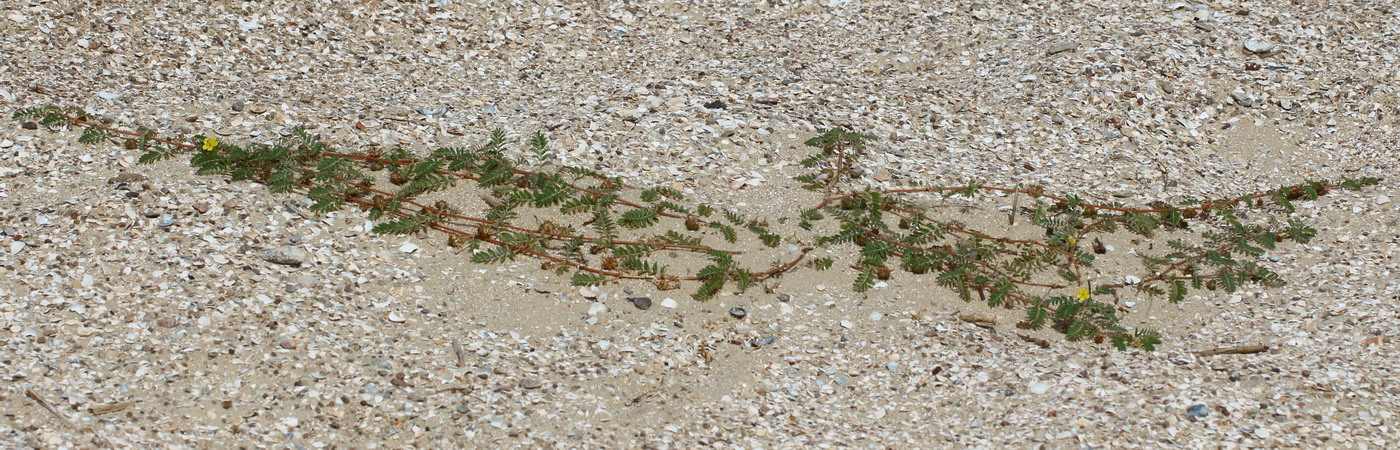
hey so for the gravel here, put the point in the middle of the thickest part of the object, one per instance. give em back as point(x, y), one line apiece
point(146, 306)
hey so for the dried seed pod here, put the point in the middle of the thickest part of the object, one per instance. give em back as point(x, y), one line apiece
point(399, 177)
point(918, 270)
point(1189, 214)
point(848, 203)
point(692, 223)
point(596, 249)
point(607, 185)
point(668, 285)
point(1099, 248)
point(375, 166)
point(456, 240)
point(548, 227)
point(882, 272)
point(548, 265)
point(609, 263)
point(485, 233)
point(904, 223)
point(442, 206)
point(130, 144)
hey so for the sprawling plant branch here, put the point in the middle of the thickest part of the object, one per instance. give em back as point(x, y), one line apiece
point(1001, 270)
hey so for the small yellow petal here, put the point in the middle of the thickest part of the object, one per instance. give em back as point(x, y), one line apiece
point(1083, 295)
point(210, 143)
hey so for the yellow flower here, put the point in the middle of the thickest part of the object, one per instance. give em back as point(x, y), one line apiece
point(210, 143)
point(1073, 241)
point(1083, 295)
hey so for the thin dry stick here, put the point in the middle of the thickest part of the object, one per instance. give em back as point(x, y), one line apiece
point(62, 418)
point(44, 403)
point(457, 348)
point(1240, 350)
point(1015, 200)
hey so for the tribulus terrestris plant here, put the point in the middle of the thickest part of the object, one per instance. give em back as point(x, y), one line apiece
point(601, 229)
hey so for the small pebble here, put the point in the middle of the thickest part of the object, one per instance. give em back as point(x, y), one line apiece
point(642, 303)
point(287, 256)
point(1039, 388)
point(1061, 47)
point(1198, 411)
point(784, 298)
point(668, 302)
point(1258, 46)
point(738, 313)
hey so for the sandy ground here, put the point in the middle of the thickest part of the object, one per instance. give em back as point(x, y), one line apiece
point(136, 311)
